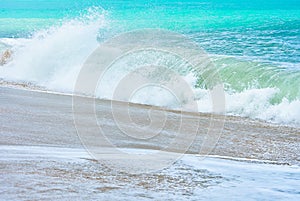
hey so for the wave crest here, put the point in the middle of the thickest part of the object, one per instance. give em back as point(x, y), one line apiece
point(52, 59)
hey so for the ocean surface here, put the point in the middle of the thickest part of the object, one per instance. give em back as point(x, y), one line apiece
point(255, 45)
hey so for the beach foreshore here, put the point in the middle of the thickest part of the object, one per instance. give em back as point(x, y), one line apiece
point(46, 119)
point(42, 156)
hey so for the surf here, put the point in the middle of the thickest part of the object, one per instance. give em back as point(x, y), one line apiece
point(52, 58)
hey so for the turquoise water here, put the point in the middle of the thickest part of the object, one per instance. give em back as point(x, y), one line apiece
point(268, 30)
point(255, 44)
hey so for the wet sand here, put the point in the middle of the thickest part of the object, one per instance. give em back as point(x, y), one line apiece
point(42, 157)
point(44, 119)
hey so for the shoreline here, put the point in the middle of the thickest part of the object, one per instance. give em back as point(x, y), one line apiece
point(35, 118)
point(34, 88)
point(29, 173)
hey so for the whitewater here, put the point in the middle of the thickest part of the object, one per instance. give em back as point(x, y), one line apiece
point(52, 59)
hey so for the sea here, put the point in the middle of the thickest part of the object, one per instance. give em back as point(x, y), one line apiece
point(254, 45)
point(47, 136)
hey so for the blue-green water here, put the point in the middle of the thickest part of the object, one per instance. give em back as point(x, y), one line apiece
point(255, 44)
point(268, 30)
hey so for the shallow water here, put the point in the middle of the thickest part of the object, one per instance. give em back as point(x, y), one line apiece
point(35, 172)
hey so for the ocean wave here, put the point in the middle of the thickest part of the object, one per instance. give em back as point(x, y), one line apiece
point(52, 59)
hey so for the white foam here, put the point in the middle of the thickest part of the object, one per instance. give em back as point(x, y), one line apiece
point(52, 58)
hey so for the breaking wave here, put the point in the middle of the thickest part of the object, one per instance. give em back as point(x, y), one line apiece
point(52, 59)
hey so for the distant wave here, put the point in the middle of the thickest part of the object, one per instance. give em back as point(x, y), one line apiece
point(52, 58)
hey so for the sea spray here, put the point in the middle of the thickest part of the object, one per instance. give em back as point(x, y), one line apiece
point(53, 57)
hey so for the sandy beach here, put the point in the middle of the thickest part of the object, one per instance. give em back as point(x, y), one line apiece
point(38, 118)
point(42, 156)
